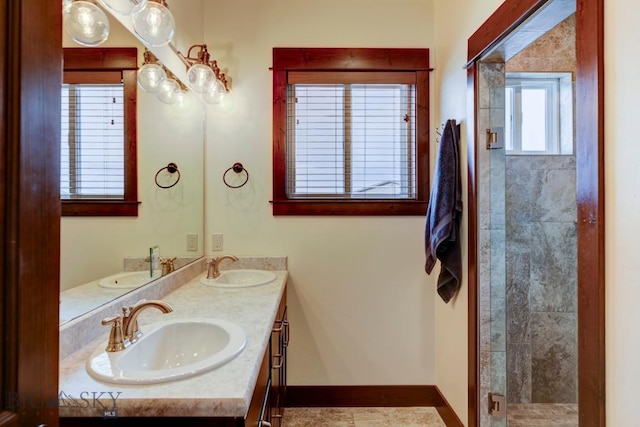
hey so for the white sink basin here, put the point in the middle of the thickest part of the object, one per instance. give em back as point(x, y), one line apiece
point(240, 278)
point(169, 351)
point(127, 279)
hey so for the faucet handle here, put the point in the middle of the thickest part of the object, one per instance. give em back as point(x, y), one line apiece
point(111, 320)
point(167, 265)
point(117, 341)
point(126, 313)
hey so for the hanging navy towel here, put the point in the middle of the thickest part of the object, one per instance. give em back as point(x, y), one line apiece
point(442, 230)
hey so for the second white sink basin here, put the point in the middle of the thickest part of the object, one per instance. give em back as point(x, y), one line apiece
point(127, 279)
point(240, 278)
point(169, 351)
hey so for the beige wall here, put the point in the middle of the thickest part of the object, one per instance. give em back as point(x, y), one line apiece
point(455, 21)
point(361, 305)
point(622, 208)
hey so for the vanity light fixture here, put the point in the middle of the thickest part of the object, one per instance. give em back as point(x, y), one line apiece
point(154, 24)
point(204, 75)
point(125, 7)
point(169, 89)
point(153, 77)
point(85, 22)
point(185, 99)
point(151, 73)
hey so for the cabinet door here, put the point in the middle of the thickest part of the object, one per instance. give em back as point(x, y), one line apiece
point(260, 399)
point(278, 345)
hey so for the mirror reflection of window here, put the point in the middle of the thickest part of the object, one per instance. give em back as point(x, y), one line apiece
point(537, 121)
point(98, 173)
point(92, 155)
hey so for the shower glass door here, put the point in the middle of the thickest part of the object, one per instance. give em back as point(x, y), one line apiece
point(527, 247)
point(492, 242)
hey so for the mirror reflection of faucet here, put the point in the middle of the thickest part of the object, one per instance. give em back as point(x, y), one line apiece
point(167, 265)
point(213, 266)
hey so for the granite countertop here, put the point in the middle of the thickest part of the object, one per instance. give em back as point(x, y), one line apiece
point(223, 392)
point(78, 300)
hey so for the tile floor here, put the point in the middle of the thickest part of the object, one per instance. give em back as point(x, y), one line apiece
point(542, 414)
point(519, 415)
point(362, 417)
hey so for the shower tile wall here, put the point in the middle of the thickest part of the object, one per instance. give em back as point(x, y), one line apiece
point(555, 51)
point(541, 249)
point(541, 279)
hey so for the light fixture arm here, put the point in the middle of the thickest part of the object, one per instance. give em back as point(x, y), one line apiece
point(203, 57)
point(162, 2)
point(149, 57)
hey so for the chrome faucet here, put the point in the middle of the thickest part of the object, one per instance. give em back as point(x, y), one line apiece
point(124, 329)
point(213, 266)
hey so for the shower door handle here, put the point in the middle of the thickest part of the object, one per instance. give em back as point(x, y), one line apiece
point(497, 405)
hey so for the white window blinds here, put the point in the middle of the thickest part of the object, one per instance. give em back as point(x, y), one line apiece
point(351, 136)
point(92, 160)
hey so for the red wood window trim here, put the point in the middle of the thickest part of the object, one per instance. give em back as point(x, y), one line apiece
point(297, 61)
point(98, 63)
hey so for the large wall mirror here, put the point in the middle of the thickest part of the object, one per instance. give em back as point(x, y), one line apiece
point(95, 251)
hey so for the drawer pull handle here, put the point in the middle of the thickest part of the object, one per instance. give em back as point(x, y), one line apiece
point(278, 365)
point(286, 333)
point(265, 423)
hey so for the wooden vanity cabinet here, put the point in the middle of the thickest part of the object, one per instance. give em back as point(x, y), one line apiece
point(258, 414)
point(278, 350)
point(275, 364)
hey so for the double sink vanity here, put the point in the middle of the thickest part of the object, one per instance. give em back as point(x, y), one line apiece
point(186, 350)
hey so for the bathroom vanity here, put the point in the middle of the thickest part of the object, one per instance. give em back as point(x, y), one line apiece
point(249, 390)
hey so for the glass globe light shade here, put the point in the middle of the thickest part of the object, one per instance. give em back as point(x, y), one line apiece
point(200, 77)
point(85, 23)
point(216, 93)
point(150, 76)
point(227, 104)
point(155, 24)
point(184, 102)
point(168, 91)
point(125, 7)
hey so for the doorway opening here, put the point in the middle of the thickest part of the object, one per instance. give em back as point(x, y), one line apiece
point(536, 279)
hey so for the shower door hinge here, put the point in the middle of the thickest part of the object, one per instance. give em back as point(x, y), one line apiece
point(497, 405)
point(495, 138)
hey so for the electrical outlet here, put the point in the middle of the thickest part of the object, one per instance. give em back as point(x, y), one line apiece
point(192, 242)
point(216, 242)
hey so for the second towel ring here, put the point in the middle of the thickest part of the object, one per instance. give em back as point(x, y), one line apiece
point(171, 168)
point(237, 168)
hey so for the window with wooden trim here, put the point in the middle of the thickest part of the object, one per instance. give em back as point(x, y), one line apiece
point(98, 175)
point(350, 131)
point(539, 113)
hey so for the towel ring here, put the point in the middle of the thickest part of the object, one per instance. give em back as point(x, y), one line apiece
point(237, 168)
point(171, 168)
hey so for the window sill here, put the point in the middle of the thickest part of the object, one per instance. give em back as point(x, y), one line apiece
point(99, 208)
point(349, 207)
